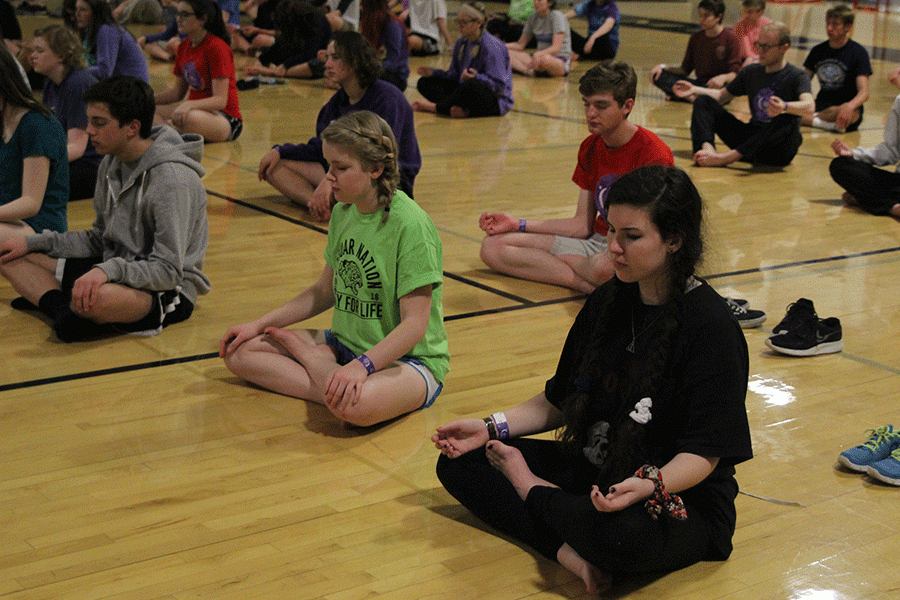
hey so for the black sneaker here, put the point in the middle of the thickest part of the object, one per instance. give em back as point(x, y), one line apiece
point(797, 313)
point(738, 301)
point(745, 316)
point(811, 337)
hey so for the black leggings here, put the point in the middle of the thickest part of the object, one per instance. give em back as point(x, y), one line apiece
point(473, 96)
point(774, 142)
point(601, 50)
point(628, 541)
point(876, 190)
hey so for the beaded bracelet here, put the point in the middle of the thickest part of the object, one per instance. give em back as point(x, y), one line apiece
point(661, 499)
point(366, 362)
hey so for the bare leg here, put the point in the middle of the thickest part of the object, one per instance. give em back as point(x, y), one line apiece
point(521, 62)
point(14, 229)
point(32, 275)
point(528, 256)
point(296, 180)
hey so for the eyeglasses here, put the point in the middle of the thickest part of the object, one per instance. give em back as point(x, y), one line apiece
point(764, 47)
point(183, 14)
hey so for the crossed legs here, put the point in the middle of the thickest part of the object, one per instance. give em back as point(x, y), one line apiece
point(529, 256)
point(299, 363)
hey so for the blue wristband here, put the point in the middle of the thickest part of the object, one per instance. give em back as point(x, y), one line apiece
point(522, 223)
point(366, 362)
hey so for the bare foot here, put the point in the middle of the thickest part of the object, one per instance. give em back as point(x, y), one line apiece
point(709, 158)
point(511, 463)
point(595, 580)
point(424, 106)
point(458, 112)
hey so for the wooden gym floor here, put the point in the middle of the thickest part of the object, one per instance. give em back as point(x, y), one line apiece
point(140, 468)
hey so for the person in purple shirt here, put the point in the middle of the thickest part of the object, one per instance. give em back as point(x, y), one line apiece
point(298, 170)
point(108, 48)
point(387, 35)
point(479, 80)
point(56, 54)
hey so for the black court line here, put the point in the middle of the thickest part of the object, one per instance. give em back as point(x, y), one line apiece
point(269, 212)
point(803, 263)
point(527, 304)
point(110, 371)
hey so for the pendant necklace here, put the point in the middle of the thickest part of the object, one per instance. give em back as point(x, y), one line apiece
point(634, 336)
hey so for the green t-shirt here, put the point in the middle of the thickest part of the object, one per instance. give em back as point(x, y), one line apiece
point(37, 135)
point(375, 264)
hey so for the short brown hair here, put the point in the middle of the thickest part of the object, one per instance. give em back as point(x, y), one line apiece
point(63, 42)
point(608, 76)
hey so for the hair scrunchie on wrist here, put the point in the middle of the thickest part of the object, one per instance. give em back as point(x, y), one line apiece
point(661, 499)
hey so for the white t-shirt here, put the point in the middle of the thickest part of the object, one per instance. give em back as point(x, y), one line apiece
point(423, 16)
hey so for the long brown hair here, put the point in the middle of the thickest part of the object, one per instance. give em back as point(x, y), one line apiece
point(13, 89)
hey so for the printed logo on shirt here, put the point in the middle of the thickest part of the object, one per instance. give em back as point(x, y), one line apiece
point(600, 193)
point(831, 73)
point(192, 76)
point(760, 102)
point(362, 292)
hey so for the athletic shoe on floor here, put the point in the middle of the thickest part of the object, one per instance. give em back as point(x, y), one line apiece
point(811, 337)
point(797, 313)
point(738, 301)
point(881, 443)
point(746, 316)
point(886, 469)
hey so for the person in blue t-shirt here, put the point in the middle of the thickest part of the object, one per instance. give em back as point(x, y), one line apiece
point(602, 41)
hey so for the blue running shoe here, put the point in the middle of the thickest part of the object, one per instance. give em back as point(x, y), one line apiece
point(881, 443)
point(886, 469)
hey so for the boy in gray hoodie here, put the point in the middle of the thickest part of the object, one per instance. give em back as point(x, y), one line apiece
point(139, 268)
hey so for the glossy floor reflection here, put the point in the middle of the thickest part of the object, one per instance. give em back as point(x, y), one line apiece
point(140, 468)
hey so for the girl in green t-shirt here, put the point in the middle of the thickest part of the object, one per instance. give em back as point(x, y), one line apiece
point(386, 352)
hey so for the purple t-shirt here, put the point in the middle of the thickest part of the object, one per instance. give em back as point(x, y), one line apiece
point(383, 99)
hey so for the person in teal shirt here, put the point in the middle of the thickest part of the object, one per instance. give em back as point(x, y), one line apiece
point(386, 353)
point(34, 177)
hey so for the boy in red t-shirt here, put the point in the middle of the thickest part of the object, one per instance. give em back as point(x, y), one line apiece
point(572, 252)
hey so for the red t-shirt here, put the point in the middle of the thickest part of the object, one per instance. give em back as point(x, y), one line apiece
point(598, 166)
point(212, 59)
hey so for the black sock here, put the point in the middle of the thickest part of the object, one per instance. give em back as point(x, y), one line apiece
point(54, 303)
point(22, 303)
point(70, 327)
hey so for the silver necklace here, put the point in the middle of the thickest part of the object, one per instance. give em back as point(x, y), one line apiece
point(634, 336)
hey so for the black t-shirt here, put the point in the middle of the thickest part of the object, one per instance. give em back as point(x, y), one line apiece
point(753, 81)
point(700, 408)
point(837, 70)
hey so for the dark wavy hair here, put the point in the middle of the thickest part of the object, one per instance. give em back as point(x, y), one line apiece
point(353, 49)
point(211, 15)
point(13, 89)
point(294, 24)
point(675, 208)
point(127, 99)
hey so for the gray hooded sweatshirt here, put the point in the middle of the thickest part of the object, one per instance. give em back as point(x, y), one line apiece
point(151, 227)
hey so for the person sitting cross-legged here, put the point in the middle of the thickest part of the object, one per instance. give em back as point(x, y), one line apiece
point(778, 92)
